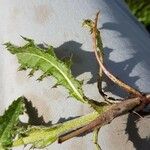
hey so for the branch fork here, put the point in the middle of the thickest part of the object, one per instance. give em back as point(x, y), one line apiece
point(137, 103)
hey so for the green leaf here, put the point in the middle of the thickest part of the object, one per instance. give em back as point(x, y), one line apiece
point(40, 136)
point(90, 25)
point(9, 121)
point(34, 57)
point(141, 9)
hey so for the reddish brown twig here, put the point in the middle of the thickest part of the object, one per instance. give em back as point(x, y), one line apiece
point(120, 83)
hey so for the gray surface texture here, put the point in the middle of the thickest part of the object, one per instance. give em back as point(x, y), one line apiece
point(58, 22)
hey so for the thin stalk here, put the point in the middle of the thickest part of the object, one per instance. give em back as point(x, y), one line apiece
point(95, 139)
point(100, 53)
point(120, 83)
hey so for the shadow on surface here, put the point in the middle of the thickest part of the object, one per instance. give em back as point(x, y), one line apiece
point(32, 112)
point(133, 135)
point(121, 70)
point(127, 30)
point(35, 120)
point(141, 51)
point(84, 61)
point(61, 120)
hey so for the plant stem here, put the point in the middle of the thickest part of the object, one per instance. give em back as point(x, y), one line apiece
point(120, 83)
point(106, 117)
point(95, 139)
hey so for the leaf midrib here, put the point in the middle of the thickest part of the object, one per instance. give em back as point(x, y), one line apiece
point(67, 79)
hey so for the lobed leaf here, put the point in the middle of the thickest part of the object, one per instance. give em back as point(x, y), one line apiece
point(36, 58)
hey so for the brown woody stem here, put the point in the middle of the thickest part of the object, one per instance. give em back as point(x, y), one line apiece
point(115, 111)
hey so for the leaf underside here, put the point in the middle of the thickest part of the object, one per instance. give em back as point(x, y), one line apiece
point(36, 58)
point(9, 121)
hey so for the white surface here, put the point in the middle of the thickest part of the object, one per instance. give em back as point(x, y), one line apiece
point(58, 22)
